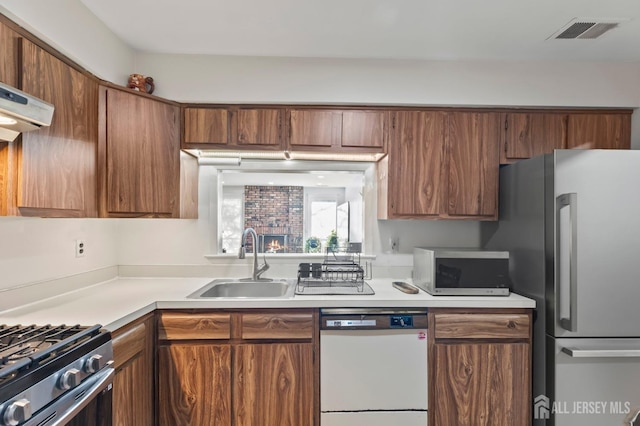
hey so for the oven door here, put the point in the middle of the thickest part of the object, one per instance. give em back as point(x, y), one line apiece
point(88, 404)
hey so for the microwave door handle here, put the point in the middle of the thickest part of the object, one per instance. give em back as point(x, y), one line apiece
point(601, 353)
point(101, 382)
point(570, 200)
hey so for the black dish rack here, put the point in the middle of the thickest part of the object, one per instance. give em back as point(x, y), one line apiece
point(339, 273)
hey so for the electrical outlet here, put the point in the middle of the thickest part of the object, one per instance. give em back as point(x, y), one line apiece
point(80, 248)
point(394, 242)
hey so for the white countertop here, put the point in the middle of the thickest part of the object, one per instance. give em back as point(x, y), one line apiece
point(119, 301)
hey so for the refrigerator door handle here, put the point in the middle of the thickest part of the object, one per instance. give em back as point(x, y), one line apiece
point(570, 200)
point(601, 353)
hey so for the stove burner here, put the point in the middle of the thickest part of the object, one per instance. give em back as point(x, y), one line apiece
point(24, 346)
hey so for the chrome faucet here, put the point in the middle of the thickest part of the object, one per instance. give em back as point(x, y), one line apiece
point(256, 271)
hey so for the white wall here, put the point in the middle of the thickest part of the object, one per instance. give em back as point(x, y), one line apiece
point(234, 79)
point(72, 29)
point(33, 249)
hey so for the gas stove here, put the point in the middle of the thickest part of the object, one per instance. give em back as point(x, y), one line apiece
point(49, 374)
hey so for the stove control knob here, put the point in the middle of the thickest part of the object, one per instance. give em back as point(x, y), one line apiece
point(17, 412)
point(93, 363)
point(70, 379)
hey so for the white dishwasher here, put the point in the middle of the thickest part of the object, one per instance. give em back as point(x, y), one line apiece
point(373, 367)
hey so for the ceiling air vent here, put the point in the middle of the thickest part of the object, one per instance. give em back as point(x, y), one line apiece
point(585, 28)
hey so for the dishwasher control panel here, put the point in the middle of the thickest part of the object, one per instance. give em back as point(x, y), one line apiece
point(401, 321)
point(363, 320)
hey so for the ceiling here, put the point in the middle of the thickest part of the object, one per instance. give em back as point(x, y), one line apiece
point(400, 29)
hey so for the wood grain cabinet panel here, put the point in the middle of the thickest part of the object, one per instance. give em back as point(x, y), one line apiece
point(481, 385)
point(9, 49)
point(9, 74)
point(315, 128)
point(417, 164)
point(273, 384)
point(194, 385)
point(527, 135)
point(142, 156)
point(133, 384)
point(258, 128)
point(473, 164)
point(277, 326)
point(482, 326)
point(206, 125)
point(599, 131)
point(179, 326)
point(364, 129)
point(57, 164)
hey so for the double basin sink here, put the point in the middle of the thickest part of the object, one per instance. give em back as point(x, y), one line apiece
point(246, 288)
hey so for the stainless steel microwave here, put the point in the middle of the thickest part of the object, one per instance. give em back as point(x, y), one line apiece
point(461, 272)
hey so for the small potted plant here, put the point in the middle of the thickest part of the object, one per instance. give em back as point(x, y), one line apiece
point(332, 241)
point(312, 245)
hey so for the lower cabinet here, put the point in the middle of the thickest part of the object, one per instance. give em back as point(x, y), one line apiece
point(193, 384)
point(238, 368)
point(133, 385)
point(480, 368)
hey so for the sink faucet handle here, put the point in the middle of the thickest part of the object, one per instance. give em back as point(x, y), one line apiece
point(264, 267)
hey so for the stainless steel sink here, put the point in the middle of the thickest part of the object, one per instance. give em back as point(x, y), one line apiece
point(246, 288)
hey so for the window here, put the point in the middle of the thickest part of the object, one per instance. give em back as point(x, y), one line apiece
point(291, 211)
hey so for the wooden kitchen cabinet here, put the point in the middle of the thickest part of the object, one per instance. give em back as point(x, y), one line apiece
point(441, 165)
point(529, 134)
point(599, 130)
point(51, 172)
point(416, 165)
point(479, 367)
point(335, 130)
point(133, 385)
point(259, 367)
point(143, 172)
point(473, 165)
point(243, 128)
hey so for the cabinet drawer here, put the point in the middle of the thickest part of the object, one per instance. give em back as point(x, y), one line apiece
point(277, 326)
point(482, 326)
point(129, 344)
point(194, 326)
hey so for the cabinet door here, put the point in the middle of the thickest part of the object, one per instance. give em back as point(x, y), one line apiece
point(599, 131)
point(473, 164)
point(527, 135)
point(57, 164)
point(482, 384)
point(9, 72)
point(143, 156)
point(194, 385)
point(315, 128)
point(364, 129)
point(274, 384)
point(9, 49)
point(133, 384)
point(416, 164)
point(258, 128)
point(206, 125)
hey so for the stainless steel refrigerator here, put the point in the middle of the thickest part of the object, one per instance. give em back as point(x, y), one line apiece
point(571, 223)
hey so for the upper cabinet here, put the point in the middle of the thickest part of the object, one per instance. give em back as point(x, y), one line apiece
point(9, 47)
point(473, 165)
point(338, 130)
point(599, 131)
point(243, 128)
point(140, 149)
point(441, 165)
point(53, 169)
point(526, 135)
